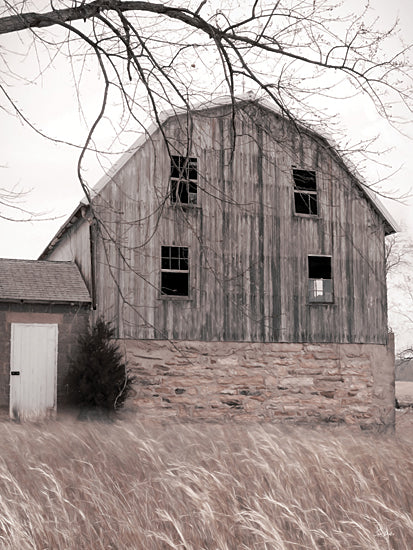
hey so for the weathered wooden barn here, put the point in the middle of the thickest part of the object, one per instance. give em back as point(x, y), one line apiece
point(242, 264)
point(44, 307)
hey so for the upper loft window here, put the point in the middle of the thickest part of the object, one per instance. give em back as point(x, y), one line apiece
point(184, 180)
point(305, 192)
point(320, 282)
point(174, 271)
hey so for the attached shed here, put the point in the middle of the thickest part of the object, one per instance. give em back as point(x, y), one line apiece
point(44, 306)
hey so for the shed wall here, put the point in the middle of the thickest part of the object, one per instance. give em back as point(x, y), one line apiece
point(72, 321)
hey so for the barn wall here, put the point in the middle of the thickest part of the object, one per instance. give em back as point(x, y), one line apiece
point(75, 246)
point(300, 383)
point(72, 321)
point(248, 250)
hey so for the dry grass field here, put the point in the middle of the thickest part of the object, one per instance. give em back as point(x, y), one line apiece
point(404, 393)
point(73, 485)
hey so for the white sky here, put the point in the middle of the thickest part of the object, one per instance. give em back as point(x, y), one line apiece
point(48, 170)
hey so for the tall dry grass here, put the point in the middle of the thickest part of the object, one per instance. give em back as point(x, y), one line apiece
point(69, 485)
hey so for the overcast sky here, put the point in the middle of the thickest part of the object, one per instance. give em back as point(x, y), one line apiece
point(47, 171)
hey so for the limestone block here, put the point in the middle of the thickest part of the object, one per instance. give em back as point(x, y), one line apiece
point(299, 381)
point(271, 381)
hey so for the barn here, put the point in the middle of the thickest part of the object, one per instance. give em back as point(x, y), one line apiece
point(44, 307)
point(241, 261)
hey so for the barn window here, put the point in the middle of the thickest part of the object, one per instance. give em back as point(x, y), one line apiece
point(320, 283)
point(305, 192)
point(174, 271)
point(184, 179)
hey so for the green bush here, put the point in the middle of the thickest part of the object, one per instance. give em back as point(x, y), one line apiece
point(98, 379)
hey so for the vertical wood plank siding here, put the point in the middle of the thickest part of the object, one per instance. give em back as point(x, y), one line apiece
point(247, 249)
point(75, 245)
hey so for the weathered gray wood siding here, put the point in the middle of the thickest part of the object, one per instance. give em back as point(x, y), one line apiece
point(74, 245)
point(248, 250)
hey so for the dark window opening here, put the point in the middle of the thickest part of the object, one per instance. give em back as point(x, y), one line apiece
point(305, 203)
point(304, 179)
point(305, 192)
point(174, 271)
point(174, 284)
point(184, 179)
point(320, 283)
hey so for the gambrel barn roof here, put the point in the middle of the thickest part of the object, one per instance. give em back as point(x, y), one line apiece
point(41, 282)
point(390, 224)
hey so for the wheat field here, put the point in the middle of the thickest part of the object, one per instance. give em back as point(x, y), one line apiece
point(124, 485)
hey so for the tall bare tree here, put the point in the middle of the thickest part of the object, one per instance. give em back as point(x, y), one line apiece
point(152, 55)
point(399, 266)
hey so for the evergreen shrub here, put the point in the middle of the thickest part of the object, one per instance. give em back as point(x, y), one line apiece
point(98, 379)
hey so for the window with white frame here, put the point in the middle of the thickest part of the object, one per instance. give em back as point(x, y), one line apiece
point(174, 271)
point(320, 282)
point(305, 192)
point(184, 180)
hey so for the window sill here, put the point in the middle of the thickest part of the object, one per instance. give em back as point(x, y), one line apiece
point(175, 298)
point(184, 206)
point(308, 216)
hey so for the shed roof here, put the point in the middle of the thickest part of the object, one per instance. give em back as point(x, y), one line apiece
point(41, 281)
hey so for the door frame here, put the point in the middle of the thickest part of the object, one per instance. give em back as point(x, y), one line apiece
point(48, 410)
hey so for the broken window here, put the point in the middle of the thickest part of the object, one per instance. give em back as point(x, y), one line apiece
point(305, 192)
point(320, 283)
point(184, 178)
point(174, 271)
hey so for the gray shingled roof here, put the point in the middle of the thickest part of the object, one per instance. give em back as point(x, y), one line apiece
point(40, 281)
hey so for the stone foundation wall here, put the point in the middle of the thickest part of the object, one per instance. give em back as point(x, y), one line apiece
point(301, 383)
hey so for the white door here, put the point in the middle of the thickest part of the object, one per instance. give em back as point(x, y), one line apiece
point(33, 367)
